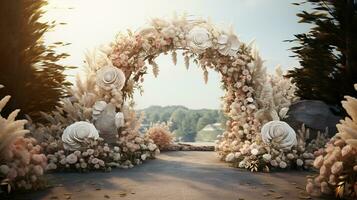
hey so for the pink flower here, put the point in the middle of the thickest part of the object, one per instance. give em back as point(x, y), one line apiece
point(337, 168)
point(310, 187)
point(318, 161)
point(12, 174)
point(38, 158)
point(346, 150)
point(38, 170)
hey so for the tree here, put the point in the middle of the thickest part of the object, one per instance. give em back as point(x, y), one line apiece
point(328, 52)
point(208, 117)
point(29, 68)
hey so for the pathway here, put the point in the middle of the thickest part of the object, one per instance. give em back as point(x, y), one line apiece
point(176, 176)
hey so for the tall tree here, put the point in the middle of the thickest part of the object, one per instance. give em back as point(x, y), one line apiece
point(328, 52)
point(29, 68)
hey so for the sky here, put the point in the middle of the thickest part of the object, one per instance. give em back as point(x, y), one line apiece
point(90, 23)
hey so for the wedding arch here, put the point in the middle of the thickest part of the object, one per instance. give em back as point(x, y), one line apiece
point(97, 125)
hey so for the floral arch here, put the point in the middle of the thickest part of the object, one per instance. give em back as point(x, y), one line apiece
point(202, 42)
point(96, 128)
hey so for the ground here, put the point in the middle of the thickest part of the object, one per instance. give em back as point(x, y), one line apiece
point(177, 175)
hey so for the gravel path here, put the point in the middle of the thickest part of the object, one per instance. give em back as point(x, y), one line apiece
point(176, 176)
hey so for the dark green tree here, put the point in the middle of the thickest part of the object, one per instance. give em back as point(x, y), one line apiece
point(328, 52)
point(29, 68)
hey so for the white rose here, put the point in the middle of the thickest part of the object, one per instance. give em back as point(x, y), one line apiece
point(71, 158)
point(199, 39)
point(228, 44)
point(299, 162)
point(75, 134)
point(110, 77)
point(241, 164)
point(267, 157)
point(274, 163)
point(254, 152)
point(279, 133)
point(283, 165)
point(143, 157)
point(230, 157)
point(152, 147)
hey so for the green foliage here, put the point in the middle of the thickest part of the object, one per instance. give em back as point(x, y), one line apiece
point(29, 68)
point(209, 133)
point(328, 52)
point(185, 123)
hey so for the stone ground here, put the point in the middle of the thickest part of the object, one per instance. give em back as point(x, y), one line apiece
point(176, 176)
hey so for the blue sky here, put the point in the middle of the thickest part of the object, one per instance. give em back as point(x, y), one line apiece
point(94, 22)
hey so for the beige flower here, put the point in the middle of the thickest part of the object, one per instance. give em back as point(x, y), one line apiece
point(110, 77)
point(267, 157)
point(283, 165)
point(71, 158)
point(299, 162)
point(199, 39)
point(319, 161)
point(337, 168)
point(279, 133)
point(230, 157)
point(74, 135)
point(4, 169)
point(254, 151)
point(228, 44)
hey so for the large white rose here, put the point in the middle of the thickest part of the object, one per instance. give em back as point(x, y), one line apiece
point(279, 133)
point(199, 39)
point(110, 77)
point(228, 44)
point(75, 134)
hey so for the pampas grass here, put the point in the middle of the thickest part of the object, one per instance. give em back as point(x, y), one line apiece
point(337, 162)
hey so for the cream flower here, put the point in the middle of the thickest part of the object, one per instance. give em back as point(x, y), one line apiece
point(75, 134)
point(143, 157)
point(241, 164)
point(230, 157)
point(279, 133)
point(110, 77)
point(152, 146)
point(199, 39)
point(267, 157)
point(299, 162)
point(4, 169)
point(283, 165)
point(254, 152)
point(274, 163)
point(71, 158)
point(228, 44)
point(337, 168)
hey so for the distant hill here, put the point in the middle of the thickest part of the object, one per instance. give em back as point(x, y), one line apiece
point(185, 122)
